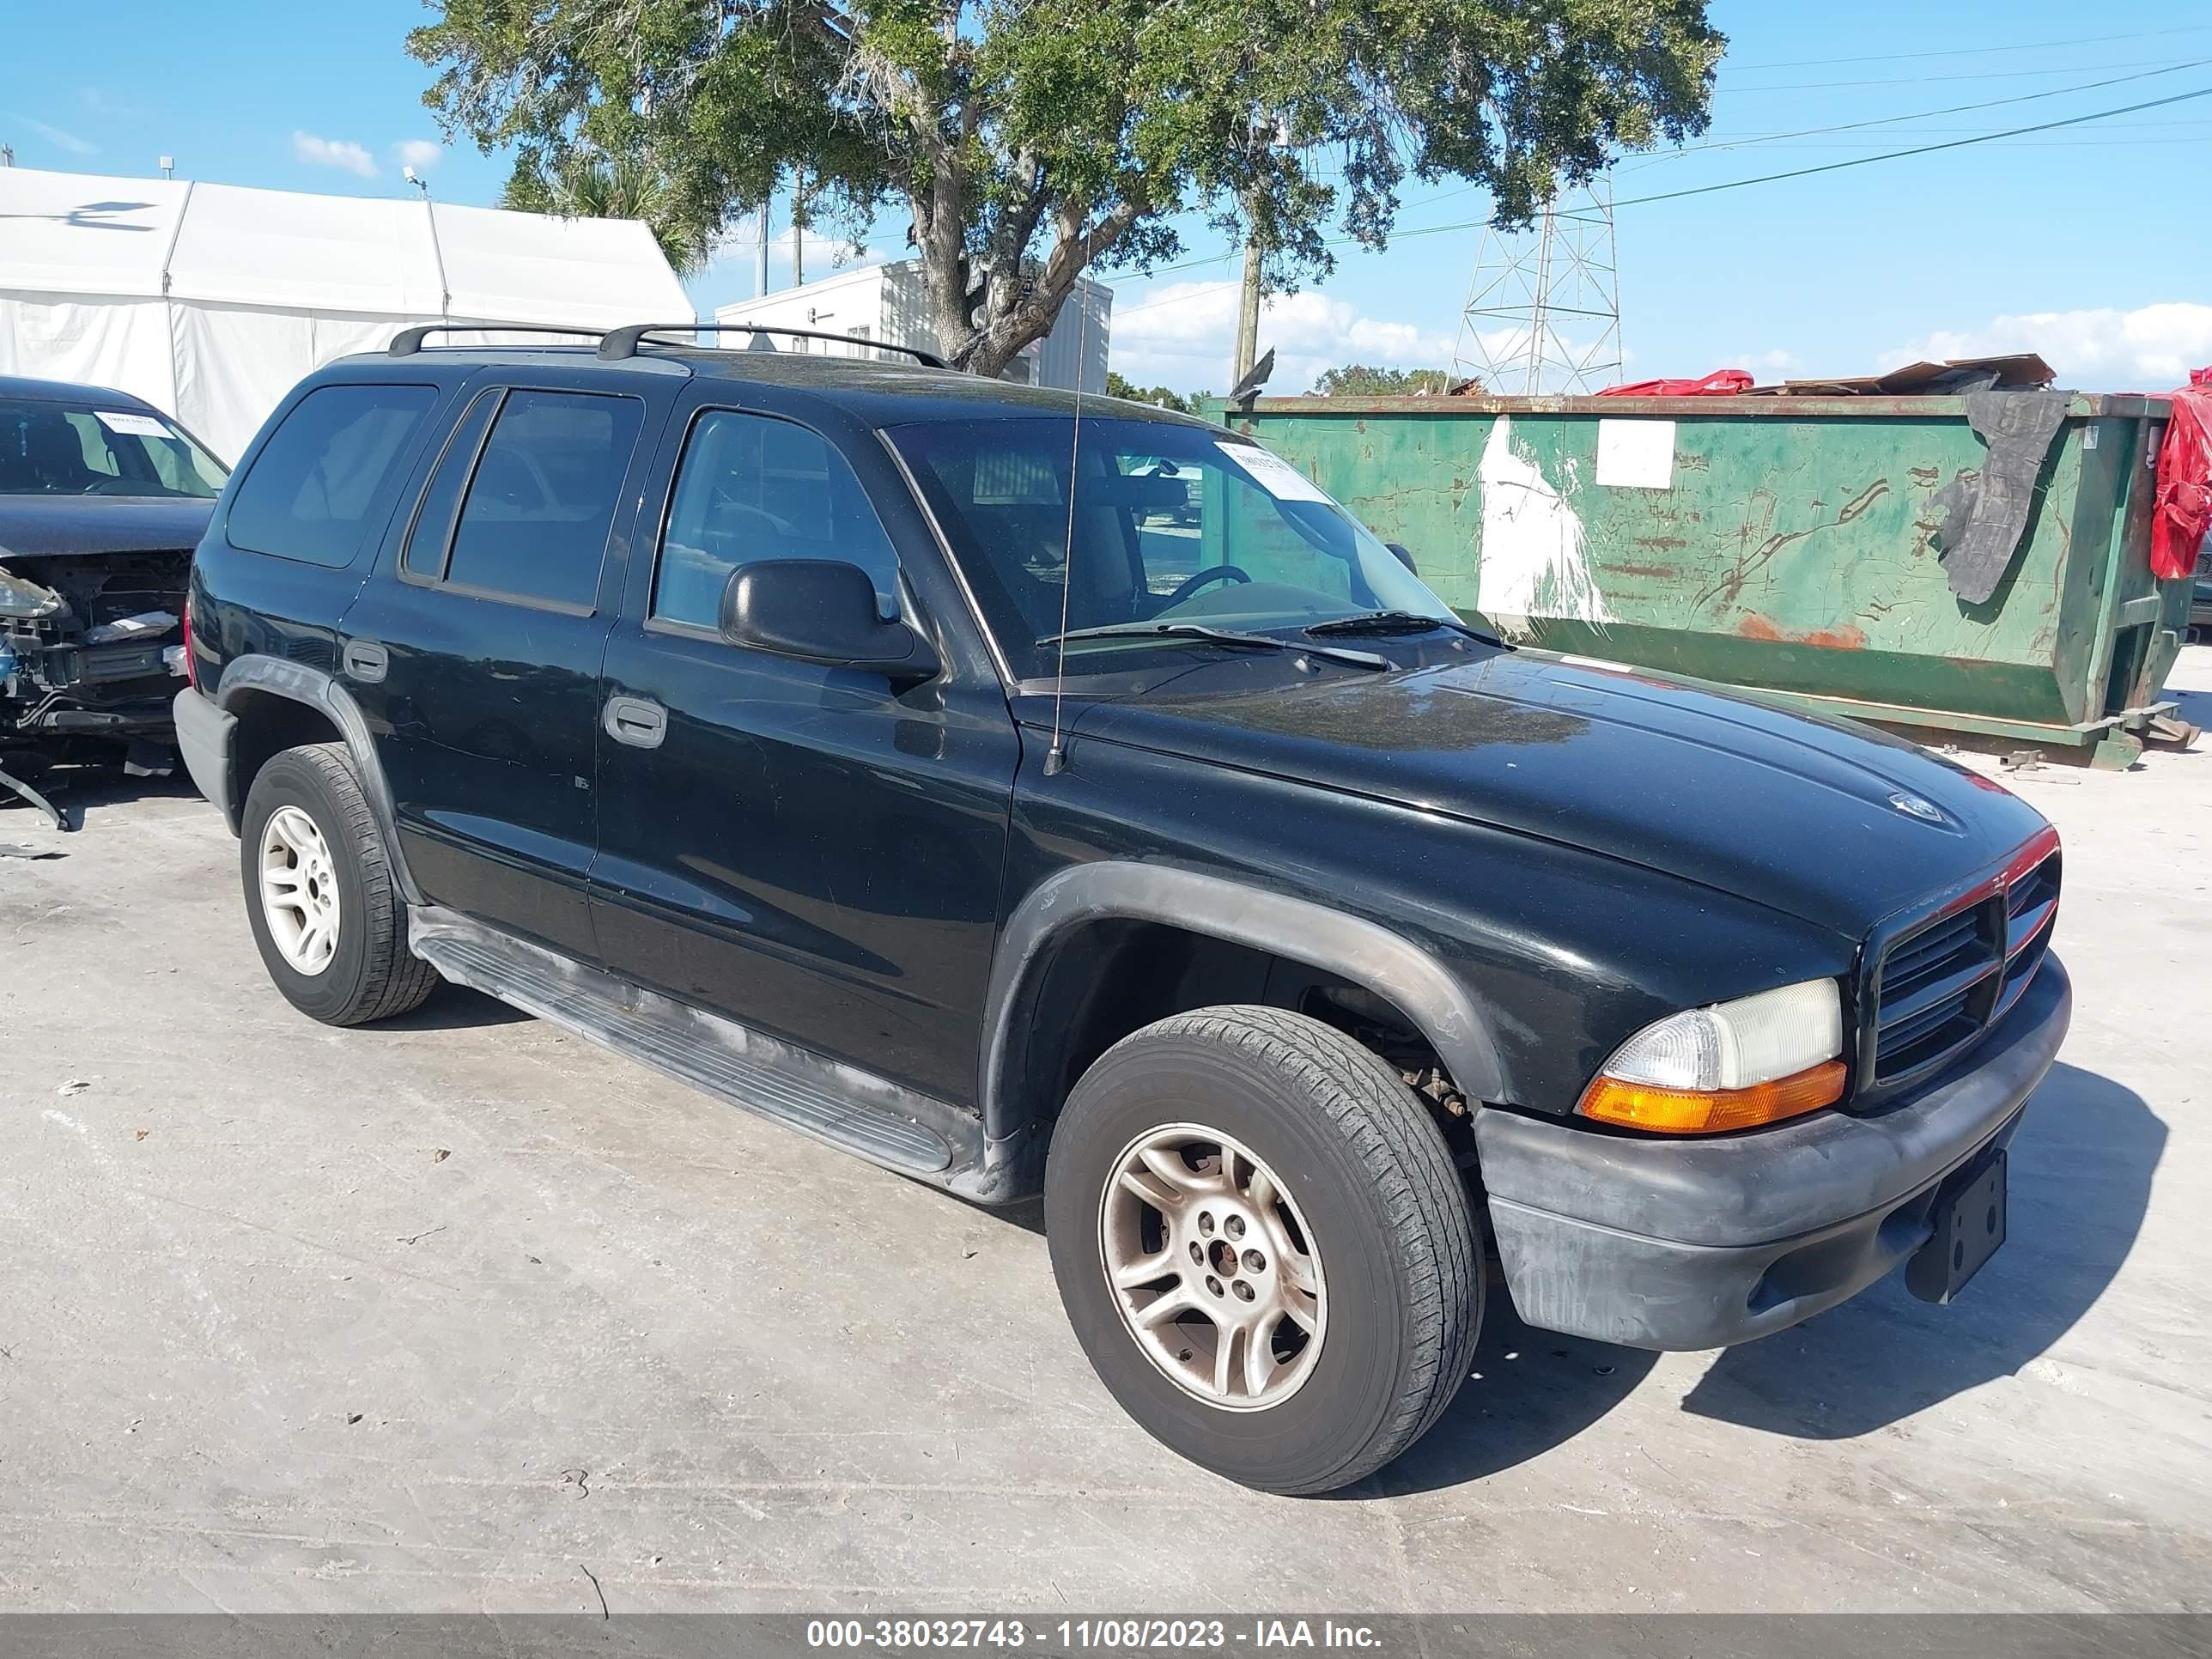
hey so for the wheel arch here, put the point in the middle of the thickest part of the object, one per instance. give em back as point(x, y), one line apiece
point(279, 704)
point(1084, 902)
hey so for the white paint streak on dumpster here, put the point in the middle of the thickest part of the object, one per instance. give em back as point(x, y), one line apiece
point(1532, 559)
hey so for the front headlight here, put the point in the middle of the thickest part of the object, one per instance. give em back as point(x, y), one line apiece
point(1758, 1059)
point(26, 601)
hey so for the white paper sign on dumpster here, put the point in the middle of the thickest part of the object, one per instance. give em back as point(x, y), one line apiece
point(1636, 454)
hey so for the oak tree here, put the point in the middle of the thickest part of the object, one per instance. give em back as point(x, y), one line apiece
point(1028, 140)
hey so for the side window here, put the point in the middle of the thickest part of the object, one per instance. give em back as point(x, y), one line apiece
point(534, 523)
point(321, 474)
point(750, 487)
point(432, 532)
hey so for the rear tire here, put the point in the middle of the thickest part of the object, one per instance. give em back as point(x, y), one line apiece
point(1367, 1282)
point(326, 914)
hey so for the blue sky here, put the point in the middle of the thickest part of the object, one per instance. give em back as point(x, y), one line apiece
point(2091, 244)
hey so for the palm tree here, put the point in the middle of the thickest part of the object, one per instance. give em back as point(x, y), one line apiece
point(581, 184)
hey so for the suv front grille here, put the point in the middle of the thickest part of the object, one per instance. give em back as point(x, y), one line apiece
point(1940, 984)
point(2030, 905)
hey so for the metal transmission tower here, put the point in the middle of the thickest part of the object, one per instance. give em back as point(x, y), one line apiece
point(1543, 309)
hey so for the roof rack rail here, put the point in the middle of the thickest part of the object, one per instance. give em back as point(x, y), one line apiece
point(409, 341)
point(623, 342)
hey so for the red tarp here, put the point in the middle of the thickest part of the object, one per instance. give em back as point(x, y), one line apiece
point(1720, 383)
point(2185, 481)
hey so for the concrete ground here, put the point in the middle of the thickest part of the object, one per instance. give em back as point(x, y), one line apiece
point(446, 1315)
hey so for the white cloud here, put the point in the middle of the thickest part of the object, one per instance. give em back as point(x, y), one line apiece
point(60, 139)
point(1499, 358)
point(420, 153)
point(2149, 349)
point(104, 107)
point(825, 256)
point(341, 153)
point(1182, 335)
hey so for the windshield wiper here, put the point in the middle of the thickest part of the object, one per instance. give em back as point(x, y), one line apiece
point(1229, 636)
point(1401, 621)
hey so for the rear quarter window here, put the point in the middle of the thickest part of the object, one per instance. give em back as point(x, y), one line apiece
point(327, 471)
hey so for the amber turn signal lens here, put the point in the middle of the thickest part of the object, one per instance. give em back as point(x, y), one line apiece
point(1693, 1112)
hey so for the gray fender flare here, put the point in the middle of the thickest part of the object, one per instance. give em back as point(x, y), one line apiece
point(320, 690)
point(1365, 952)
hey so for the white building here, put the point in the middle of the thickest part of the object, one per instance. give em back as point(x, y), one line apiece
point(889, 303)
point(211, 302)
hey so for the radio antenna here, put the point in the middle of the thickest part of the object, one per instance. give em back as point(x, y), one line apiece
point(1056, 757)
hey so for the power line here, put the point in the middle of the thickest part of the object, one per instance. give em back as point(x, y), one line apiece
point(1918, 150)
point(1931, 80)
point(2178, 125)
point(2024, 143)
point(1740, 184)
point(1972, 51)
point(1921, 115)
point(1679, 151)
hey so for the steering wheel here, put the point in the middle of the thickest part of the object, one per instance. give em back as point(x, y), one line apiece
point(1212, 574)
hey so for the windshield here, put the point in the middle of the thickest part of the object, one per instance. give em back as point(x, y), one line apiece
point(1172, 524)
point(86, 449)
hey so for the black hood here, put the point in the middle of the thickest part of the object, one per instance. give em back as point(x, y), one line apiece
point(1817, 818)
point(45, 526)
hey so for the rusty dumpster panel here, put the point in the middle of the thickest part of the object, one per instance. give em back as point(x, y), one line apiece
point(1787, 543)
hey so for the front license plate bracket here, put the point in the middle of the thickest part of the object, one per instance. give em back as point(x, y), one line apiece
point(1969, 1222)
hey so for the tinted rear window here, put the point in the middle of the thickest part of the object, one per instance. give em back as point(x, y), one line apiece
point(535, 522)
point(326, 471)
point(432, 532)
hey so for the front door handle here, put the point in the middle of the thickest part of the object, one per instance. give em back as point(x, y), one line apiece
point(638, 721)
point(365, 660)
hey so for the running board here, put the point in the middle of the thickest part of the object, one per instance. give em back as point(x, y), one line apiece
point(842, 1106)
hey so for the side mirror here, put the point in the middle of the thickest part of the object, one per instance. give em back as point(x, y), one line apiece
point(821, 610)
point(1404, 555)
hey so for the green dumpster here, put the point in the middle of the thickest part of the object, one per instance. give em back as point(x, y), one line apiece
point(1807, 546)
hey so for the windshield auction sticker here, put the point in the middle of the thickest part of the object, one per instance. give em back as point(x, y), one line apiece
point(129, 425)
point(1271, 472)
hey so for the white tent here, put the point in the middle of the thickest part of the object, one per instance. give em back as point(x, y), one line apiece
point(211, 302)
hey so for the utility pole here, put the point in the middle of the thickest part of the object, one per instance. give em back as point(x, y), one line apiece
point(1265, 137)
point(1248, 313)
point(760, 264)
point(797, 234)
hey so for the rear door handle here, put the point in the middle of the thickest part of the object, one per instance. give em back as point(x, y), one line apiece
point(637, 721)
point(365, 660)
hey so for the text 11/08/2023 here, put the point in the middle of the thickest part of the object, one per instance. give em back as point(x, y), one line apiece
point(1107, 1635)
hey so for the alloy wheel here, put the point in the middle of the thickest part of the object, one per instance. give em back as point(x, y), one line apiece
point(299, 891)
point(1214, 1271)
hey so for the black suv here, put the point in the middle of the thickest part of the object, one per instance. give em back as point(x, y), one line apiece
point(1027, 795)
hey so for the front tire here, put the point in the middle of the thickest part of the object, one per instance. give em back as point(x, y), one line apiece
point(1264, 1246)
point(326, 914)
